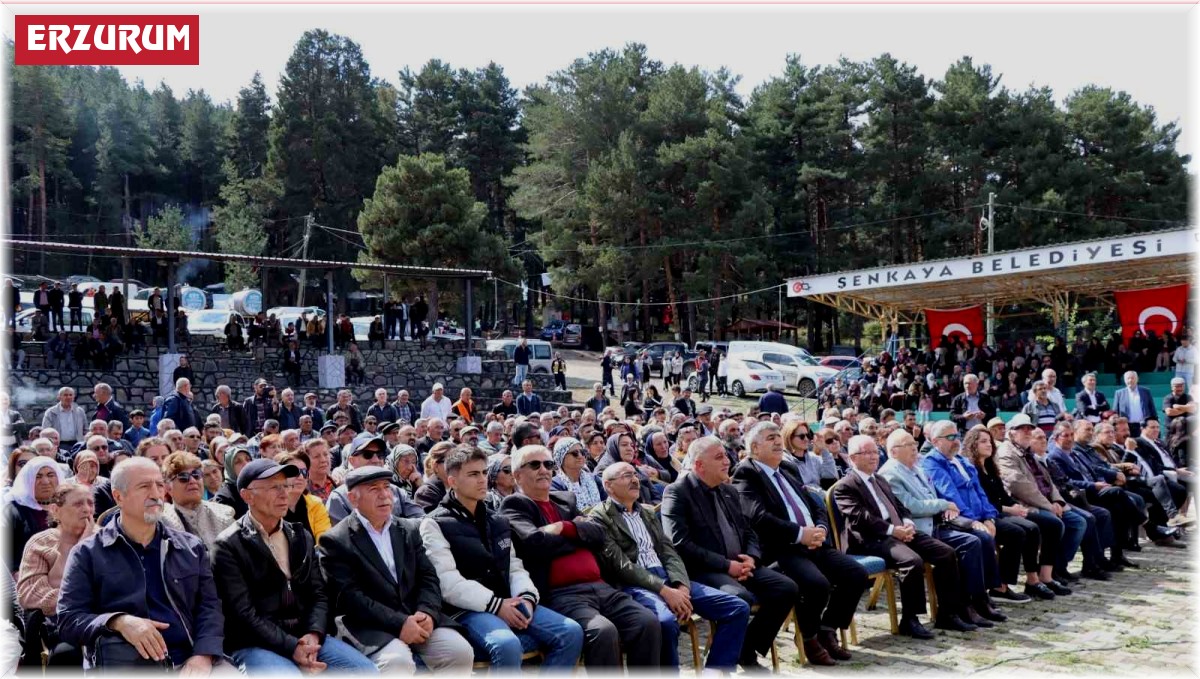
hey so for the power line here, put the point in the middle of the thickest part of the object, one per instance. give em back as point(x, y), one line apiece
point(648, 304)
point(1091, 216)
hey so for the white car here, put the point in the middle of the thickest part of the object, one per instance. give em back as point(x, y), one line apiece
point(211, 322)
point(749, 377)
point(802, 372)
point(539, 361)
point(24, 321)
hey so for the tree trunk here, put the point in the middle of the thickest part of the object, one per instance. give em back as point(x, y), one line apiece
point(646, 316)
point(676, 321)
point(433, 305)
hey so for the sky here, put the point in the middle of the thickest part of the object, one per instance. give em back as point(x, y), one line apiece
point(1142, 49)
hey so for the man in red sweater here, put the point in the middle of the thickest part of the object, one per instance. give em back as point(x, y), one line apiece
point(556, 545)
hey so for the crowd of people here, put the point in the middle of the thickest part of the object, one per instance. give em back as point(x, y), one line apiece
point(277, 534)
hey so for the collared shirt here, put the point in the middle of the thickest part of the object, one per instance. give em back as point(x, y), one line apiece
point(1135, 407)
point(957, 462)
point(1168, 463)
point(647, 556)
point(785, 488)
point(972, 406)
point(67, 424)
point(1095, 417)
point(382, 539)
point(277, 543)
point(883, 509)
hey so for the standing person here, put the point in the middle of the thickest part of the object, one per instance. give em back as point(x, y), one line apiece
point(272, 586)
point(702, 366)
point(606, 376)
point(116, 305)
point(75, 307)
point(676, 370)
point(559, 368)
point(528, 402)
point(67, 418)
point(720, 371)
point(417, 316)
point(99, 302)
point(9, 304)
point(1185, 360)
point(41, 299)
point(521, 355)
point(484, 585)
point(1134, 403)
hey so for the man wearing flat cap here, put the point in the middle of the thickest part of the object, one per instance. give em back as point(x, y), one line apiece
point(272, 586)
point(369, 453)
point(391, 434)
point(388, 601)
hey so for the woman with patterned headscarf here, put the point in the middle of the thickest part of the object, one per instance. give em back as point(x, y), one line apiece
point(574, 476)
point(499, 480)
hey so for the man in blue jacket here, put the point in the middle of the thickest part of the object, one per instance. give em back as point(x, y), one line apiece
point(138, 592)
point(178, 406)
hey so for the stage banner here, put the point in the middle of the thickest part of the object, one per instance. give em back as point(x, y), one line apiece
point(965, 323)
point(1152, 309)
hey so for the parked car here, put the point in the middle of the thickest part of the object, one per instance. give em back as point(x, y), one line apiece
point(710, 346)
point(212, 322)
point(539, 362)
point(24, 322)
point(799, 368)
point(748, 377)
point(657, 350)
point(572, 335)
point(839, 362)
point(553, 331)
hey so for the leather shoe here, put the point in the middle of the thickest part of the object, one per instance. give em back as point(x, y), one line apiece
point(1095, 573)
point(1058, 588)
point(983, 606)
point(1039, 591)
point(1133, 547)
point(912, 627)
point(1122, 561)
point(1065, 577)
point(752, 667)
point(829, 639)
point(971, 616)
point(816, 653)
point(954, 623)
point(1111, 566)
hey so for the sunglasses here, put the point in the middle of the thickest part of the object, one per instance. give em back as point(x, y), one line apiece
point(97, 448)
point(807, 437)
point(368, 454)
point(575, 451)
point(506, 470)
point(829, 442)
point(184, 477)
point(952, 437)
point(535, 465)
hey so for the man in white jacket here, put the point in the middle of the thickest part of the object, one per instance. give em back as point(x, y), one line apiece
point(485, 587)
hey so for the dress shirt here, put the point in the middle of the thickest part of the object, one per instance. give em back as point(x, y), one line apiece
point(1136, 416)
point(1168, 463)
point(647, 556)
point(789, 498)
point(277, 543)
point(883, 508)
point(382, 539)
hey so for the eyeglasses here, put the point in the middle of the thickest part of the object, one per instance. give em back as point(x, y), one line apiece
point(184, 477)
point(304, 473)
point(276, 488)
point(97, 448)
point(575, 451)
point(625, 476)
point(193, 436)
point(535, 465)
point(367, 454)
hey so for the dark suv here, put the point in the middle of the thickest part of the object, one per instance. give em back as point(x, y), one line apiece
point(657, 350)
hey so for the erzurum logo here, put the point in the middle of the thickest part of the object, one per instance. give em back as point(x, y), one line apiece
point(107, 40)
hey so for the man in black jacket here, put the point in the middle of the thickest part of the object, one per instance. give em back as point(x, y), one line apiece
point(58, 300)
point(384, 588)
point(233, 416)
point(703, 517)
point(793, 528)
point(260, 407)
point(558, 548)
point(272, 586)
point(972, 406)
point(484, 585)
point(107, 408)
point(75, 306)
point(345, 404)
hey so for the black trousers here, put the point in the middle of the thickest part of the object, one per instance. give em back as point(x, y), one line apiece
point(611, 620)
point(1154, 510)
point(1125, 513)
point(830, 584)
point(1017, 540)
point(560, 381)
point(909, 558)
point(1051, 528)
point(775, 594)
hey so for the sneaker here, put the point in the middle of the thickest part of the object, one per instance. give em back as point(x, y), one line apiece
point(1010, 595)
point(1180, 520)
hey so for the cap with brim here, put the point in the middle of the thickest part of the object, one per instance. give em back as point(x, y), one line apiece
point(346, 427)
point(264, 469)
point(366, 475)
point(995, 421)
point(831, 420)
point(704, 410)
point(329, 426)
point(1020, 420)
point(362, 444)
point(389, 428)
point(468, 430)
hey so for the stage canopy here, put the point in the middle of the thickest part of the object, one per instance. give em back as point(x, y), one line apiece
point(1049, 275)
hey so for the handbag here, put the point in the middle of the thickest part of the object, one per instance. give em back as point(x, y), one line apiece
point(112, 654)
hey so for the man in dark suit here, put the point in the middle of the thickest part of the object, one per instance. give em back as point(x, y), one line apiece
point(877, 523)
point(385, 590)
point(558, 548)
point(703, 517)
point(232, 415)
point(1155, 463)
point(58, 300)
point(972, 406)
point(41, 299)
point(1090, 404)
point(1134, 403)
point(107, 408)
point(793, 528)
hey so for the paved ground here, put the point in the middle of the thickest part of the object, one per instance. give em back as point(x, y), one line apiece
point(1141, 622)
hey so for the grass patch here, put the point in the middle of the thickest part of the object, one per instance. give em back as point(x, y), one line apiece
point(979, 659)
point(1010, 643)
point(1063, 659)
point(1052, 637)
point(1139, 642)
point(1179, 592)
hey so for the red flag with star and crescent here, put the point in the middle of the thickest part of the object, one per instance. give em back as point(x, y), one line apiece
point(1157, 310)
point(965, 323)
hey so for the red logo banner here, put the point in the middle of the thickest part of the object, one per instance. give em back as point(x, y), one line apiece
point(1157, 310)
point(966, 323)
point(107, 40)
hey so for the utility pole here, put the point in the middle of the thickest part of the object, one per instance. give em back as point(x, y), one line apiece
point(989, 223)
point(308, 224)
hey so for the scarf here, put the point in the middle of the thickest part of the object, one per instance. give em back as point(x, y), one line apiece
point(586, 490)
point(22, 488)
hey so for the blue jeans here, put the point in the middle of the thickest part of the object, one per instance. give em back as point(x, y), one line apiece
point(1074, 526)
point(337, 654)
point(520, 376)
point(978, 567)
point(731, 614)
point(559, 637)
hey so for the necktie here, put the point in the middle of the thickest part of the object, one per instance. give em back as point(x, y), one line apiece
point(728, 536)
point(787, 497)
point(893, 515)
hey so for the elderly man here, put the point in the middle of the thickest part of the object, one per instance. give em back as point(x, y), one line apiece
point(644, 562)
point(793, 527)
point(260, 407)
point(1090, 404)
point(66, 417)
point(188, 511)
point(369, 452)
point(464, 407)
point(493, 438)
point(387, 590)
point(1049, 377)
point(289, 412)
point(528, 402)
point(1156, 497)
point(1179, 403)
point(272, 586)
point(107, 408)
point(878, 524)
point(941, 518)
point(773, 401)
point(438, 404)
point(971, 407)
point(559, 548)
point(138, 590)
point(484, 585)
point(1028, 481)
point(703, 517)
point(405, 412)
point(1134, 403)
point(178, 406)
point(1157, 470)
point(507, 407)
point(231, 412)
point(381, 410)
point(435, 429)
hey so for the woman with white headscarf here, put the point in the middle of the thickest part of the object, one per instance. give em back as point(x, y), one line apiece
point(27, 513)
point(573, 474)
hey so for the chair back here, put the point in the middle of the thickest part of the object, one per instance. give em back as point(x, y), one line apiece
point(840, 538)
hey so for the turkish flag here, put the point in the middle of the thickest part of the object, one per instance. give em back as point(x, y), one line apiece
point(965, 323)
point(1159, 310)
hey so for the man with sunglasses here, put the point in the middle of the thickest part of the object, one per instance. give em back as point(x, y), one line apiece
point(369, 452)
point(558, 546)
point(188, 511)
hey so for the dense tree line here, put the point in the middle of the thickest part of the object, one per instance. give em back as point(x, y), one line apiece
point(628, 179)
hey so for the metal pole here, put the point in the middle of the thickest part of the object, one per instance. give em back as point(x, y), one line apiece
point(170, 307)
point(329, 312)
point(387, 297)
point(991, 229)
point(495, 305)
point(470, 317)
point(308, 222)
